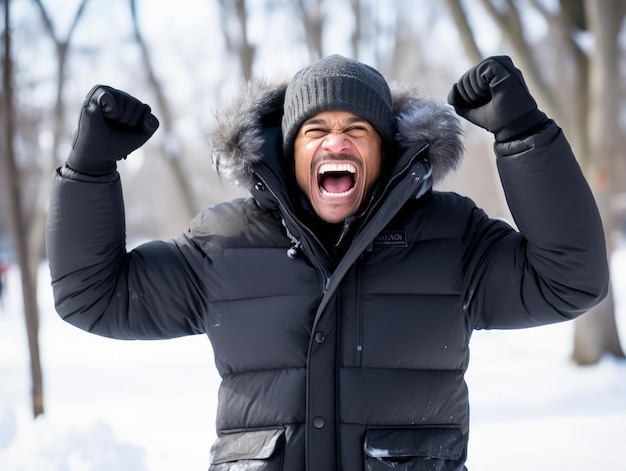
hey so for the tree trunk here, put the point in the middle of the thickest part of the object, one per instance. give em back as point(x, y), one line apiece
point(312, 16)
point(171, 147)
point(18, 225)
point(465, 31)
point(596, 332)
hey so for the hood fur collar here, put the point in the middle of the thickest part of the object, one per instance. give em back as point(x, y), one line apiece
point(237, 138)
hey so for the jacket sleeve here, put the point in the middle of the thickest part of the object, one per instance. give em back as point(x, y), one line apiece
point(555, 268)
point(100, 287)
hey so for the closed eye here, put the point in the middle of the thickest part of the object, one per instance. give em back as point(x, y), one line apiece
point(315, 132)
point(355, 131)
point(359, 130)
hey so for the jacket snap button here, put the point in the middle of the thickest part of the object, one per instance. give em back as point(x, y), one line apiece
point(318, 422)
point(319, 337)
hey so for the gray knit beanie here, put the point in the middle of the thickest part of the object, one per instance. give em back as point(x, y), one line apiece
point(337, 83)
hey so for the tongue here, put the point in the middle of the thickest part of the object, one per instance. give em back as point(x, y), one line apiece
point(337, 183)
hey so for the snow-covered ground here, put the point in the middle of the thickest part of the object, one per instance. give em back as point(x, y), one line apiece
point(135, 406)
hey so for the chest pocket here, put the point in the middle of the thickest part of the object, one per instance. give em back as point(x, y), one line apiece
point(414, 449)
point(259, 450)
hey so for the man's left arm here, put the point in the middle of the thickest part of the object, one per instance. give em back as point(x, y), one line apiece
point(557, 265)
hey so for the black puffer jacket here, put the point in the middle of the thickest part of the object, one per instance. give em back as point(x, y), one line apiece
point(356, 363)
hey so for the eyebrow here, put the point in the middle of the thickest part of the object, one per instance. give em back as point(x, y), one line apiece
point(350, 120)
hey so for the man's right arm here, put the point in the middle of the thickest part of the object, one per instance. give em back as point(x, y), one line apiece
point(97, 285)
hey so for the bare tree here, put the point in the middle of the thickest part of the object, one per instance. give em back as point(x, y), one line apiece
point(171, 147)
point(62, 47)
point(18, 221)
point(311, 12)
point(28, 240)
point(596, 334)
point(355, 39)
point(236, 36)
point(591, 120)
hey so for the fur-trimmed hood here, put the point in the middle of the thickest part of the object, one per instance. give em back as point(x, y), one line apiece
point(238, 136)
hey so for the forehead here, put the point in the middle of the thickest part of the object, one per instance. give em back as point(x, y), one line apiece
point(334, 117)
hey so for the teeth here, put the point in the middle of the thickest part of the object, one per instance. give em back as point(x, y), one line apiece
point(336, 195)
point(329, 167)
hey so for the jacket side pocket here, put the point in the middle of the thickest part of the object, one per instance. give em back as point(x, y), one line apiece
point(414, 449)
point(257, 450)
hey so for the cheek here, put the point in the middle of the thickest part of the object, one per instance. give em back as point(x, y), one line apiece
point(372, 177)
point(304, 150)
point(373, 170)
point(303, 174)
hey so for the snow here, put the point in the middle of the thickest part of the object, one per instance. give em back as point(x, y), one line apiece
point(139, 406)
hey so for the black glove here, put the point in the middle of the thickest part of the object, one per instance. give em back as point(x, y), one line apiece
point(494, 96)
point(112, 124)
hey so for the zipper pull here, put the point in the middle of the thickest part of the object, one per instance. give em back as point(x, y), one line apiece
point(346, 228)
point(292, 253)
point(326, 284)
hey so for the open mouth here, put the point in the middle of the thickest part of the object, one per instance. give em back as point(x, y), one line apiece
point(336, 180)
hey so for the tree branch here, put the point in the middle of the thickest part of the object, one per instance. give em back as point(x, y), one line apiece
point(171, 152)
point(459, 17)
point(510, 25)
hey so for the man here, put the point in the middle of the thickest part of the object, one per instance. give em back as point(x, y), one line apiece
point(340, 298)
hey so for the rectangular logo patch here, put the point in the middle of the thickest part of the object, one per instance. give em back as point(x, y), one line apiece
point(391, 239)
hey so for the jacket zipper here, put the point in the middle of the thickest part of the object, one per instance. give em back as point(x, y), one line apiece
point(298, 243)
point(359, 309)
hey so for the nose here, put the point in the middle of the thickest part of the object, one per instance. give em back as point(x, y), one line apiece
point(336, 142)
